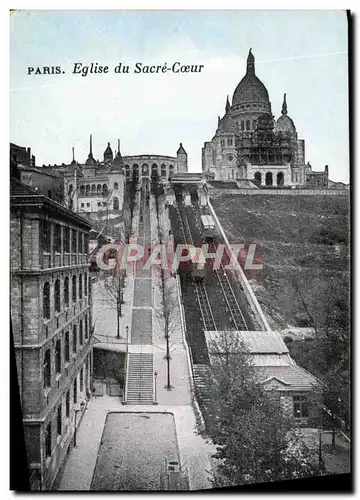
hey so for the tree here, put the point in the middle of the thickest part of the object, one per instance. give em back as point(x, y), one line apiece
point(168, 315)
point(114, 286)
point(256, 441)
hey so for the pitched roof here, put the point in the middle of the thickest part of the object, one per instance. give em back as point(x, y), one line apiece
point(293, 375)
point(18, 189)
point(257, 342)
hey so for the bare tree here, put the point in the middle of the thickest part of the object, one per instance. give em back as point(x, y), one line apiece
point(168, 315)
point(114, 286)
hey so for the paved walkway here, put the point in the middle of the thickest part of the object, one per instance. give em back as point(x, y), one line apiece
point(195, 452)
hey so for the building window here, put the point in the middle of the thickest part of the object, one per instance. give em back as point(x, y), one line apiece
point(301, 409)
point(85, 284)
point(75, 392)
point(74, 288)
point(57, 296)
point(99, 204)
point(98, 189)
point(247, 124)
point(57, 238)
point(45, 234)
point(67, 348)
point(269, 179)
point(66, 291)
point(47, 369)
point(46, 301)
point(80, 287)
point(242, 125)
point(81, 332)
point(82, 191)
point(74, 241)
point(66, 239)
point(163, 171)
point(87, 190)
point(88, 204)
point(67, 404)
point(86, 327)
point(116, 185)
point(116, 203)
point(82, 205)
point(86, 244)
point(105, 189)
point(58, 356)
point(222, 142)
point(48, 440)
point(74, 339)
point(81, 242)
point(81, 379)
point(93, 189)
point(59, 420)
point(229, 141)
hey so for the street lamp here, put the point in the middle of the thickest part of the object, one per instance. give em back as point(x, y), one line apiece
point(82, 407)
point(155, 398)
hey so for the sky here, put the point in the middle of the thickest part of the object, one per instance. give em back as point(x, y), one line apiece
point(302, 53)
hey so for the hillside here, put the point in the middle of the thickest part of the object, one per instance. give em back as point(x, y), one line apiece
point(303, 246)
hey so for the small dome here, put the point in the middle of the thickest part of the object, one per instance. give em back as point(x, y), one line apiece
point(108, 150)
point(227, 125)
point(284, 122)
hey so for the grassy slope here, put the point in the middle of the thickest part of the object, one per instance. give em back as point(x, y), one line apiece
point(300, 237)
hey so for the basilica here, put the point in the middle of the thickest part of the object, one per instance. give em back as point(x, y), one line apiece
point(250, 145)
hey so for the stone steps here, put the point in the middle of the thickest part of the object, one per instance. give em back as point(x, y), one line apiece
point(140, 379)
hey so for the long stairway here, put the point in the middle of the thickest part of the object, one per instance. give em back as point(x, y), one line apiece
point(140, 379)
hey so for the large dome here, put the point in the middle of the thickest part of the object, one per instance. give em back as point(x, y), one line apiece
point(250, 88)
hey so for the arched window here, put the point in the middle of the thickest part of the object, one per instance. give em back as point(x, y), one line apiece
point(145, 169)
point(87, 189)
point(247, 124)
point(104, 188)
point(66, 291)
point(67, 348)
point(257, 178)
point(47, 369)
point(58, 356)
point(116, 185)
point(57, 296)
point(93, 188)
point(280, 179)
point(81, 332)
point(74, 338)
point(269, 179)
point(59, 420)
point(82, 190)
point(127, 170)
point(48, 440)
point(116, 203)
point(75, 392)
point(254, 124)
point(98, 189)
point(242, 125)
point(85, 284)
point(46, 301)
point(163, 170)
point(74, 288)
point(154, 168)
point(80, 287)
point(171, 169)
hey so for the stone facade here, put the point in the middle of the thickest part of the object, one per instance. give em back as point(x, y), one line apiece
point(51, 321)
point(249, 144)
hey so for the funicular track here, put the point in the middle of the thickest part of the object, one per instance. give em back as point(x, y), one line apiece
point(200, 290)
point(234, 310)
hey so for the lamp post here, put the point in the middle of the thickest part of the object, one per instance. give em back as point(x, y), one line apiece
point(155, 397)
point(82, 407)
